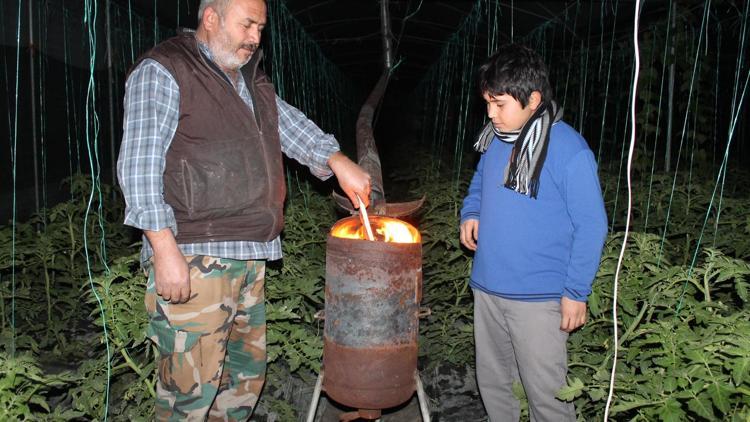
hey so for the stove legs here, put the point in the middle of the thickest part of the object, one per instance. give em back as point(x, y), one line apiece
point(315, 398)
point(366, 413)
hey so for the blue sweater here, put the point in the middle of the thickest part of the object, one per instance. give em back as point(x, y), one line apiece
point(538, 249)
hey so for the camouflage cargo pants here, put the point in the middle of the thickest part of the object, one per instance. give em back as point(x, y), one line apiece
point(212, 349)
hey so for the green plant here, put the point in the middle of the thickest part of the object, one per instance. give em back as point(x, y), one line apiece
point(673, 365)
point(24, 388)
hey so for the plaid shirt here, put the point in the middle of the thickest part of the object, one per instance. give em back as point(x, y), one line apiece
point(152, 101)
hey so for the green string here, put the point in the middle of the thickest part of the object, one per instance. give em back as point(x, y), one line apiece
point(467, 73)
point(13, 164)
point(8, 95)
point(658, 116)
point(572, 49)
point(156, 25)
point(682, 137)
point(626, 129)
point(739, 65)
point(584, 85)
point(41, 40)
point(130, 26)
point(606, 87)
point(67, 98)
point(302, 73)
point(90, 19)
point(716, 96)
point(719, 179)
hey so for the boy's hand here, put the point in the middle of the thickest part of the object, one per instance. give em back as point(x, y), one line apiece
point(573, 314)
point(469, 234)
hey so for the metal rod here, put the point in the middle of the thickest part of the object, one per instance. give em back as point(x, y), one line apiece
point(110, 92)
point(315, 398)
point(385, 27)
point(32, 82)
point(422, 398)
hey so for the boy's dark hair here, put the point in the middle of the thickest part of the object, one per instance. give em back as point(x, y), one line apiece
point(515, 70)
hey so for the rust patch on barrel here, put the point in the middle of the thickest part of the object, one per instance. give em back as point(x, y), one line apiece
point(370, 378)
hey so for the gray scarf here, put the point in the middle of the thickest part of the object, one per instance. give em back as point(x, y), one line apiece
point(527, 158)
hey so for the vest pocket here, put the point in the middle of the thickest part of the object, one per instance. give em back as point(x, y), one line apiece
point(220, 184)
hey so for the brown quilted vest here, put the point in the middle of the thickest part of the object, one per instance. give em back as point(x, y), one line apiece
point(224, 175)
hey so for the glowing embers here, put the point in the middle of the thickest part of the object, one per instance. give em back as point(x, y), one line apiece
point(385, 229)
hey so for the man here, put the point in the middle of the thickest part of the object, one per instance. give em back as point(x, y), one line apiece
point(200, 167)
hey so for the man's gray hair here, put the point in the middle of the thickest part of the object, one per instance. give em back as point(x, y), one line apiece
point(218, 5)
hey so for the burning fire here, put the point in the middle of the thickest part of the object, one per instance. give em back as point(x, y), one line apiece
point(385, 229)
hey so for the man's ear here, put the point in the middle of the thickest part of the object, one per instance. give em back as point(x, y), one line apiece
point(210, 18)
point(535, 100)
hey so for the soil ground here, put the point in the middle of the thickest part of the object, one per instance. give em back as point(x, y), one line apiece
point(451, 391)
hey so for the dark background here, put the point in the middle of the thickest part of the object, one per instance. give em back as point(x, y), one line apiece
point(347, 31)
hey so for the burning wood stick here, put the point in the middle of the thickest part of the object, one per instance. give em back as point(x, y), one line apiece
point(365, 219)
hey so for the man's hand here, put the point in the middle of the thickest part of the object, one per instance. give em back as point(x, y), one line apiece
point(573, 314)
point(470, 234)
point(171, 274)
point(352, 178)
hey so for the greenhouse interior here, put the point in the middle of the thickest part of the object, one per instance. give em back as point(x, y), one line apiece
point(342, 318)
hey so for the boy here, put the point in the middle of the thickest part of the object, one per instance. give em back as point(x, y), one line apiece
point(543, 225)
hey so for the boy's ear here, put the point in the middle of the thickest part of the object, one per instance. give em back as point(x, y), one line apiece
point(535, 100)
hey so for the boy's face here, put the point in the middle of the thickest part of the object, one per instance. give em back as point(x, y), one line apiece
point(507, 113)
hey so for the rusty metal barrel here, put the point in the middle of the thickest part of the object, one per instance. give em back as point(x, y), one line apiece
point(372, 295)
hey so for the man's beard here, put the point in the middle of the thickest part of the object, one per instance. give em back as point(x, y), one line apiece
point(225, 55)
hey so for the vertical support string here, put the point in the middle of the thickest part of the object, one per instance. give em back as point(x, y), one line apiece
point(631, 149)
point(606, 86)
point(32, 86)
point(706, 7)
point(658, 118)
point(13, 160)
point(92, 130)
point(110, 96)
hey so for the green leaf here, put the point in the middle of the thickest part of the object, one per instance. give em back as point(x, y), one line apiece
point(740, 369)
point(628, 405)
point(594, 304)
point(571, 391)
point(702, 407)
point(670, 383)
point(672, 411)
point(742, 289)
point(518, 391)
point(696, 355)
point(720, 396)
point(597, 394)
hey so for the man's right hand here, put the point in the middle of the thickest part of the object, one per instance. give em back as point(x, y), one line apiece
point(171, 274)
point(470, 234)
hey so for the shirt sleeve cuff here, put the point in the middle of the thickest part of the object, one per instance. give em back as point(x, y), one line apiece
point(575, 294)
point(471, 215)
point(152, 218)
point(319, 165)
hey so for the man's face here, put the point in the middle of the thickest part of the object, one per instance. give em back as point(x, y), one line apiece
point(507, 113)
point(235, 36)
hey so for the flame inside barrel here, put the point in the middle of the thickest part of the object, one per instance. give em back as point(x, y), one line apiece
point(385, 229)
